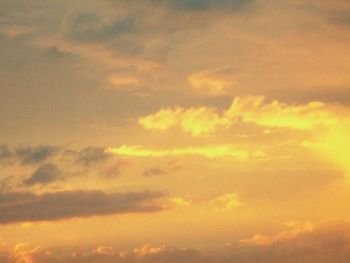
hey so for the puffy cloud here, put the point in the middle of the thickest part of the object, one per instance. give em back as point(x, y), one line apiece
point(324, 242)
point(196, 121)
point(25, 253)
point(44, 174)
point(37, 154)
point(295, 230)
point(248, 109)
point(276, 114)
point(209, 152)
point(91, 155)
point(25, 206)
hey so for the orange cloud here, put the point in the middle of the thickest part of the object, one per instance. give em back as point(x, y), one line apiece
point(212, 82)
point(123, 80)
point(295, 230)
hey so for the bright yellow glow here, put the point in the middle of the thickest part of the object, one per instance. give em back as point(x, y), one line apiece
point(162, 120)
point(334, 145)
point(196, 121)
point(180, 202)
point(227, 201)
point(210, 152)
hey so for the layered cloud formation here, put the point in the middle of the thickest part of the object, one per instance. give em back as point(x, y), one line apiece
point(218, 131)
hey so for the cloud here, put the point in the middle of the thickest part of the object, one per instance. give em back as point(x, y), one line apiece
point(33, 155)
point(249, 109)
point(196, 121)
point(44, 174)
point(209, 152)
point(27, 207)
point(227, 201)
point(5, 153)
point(162, 170)
point(295, 230)
point(114, 170)
point(91, 155)
point(276, 114)
point(89, 27)
point(180, 202)
point(101, 54)
point(145, 254)
point(325, 242)
point(122, 80)
point(205, 5)
point(213, 82)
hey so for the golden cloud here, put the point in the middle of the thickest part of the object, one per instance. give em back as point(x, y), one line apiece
point(208, 151)
point(249, 109)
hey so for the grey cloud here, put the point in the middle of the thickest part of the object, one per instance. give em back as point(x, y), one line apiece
point(24, 206)
point(90, 27)
point(44, 174)
point(204, 5)
point(5, 153)
point(32, 155)
point(197, 5)
point(340, 18)
point(91, 155)
point(114, 171)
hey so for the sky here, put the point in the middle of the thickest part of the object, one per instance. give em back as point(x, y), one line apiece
point(174, 131)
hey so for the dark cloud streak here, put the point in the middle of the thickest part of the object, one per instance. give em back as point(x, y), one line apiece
point(34, 155)
point(44, 174)
point(24, 206)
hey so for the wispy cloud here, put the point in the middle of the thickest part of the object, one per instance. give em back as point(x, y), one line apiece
point(229, 151)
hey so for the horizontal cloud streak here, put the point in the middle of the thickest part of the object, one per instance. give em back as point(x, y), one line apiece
point(209, 151)
point(21, 207)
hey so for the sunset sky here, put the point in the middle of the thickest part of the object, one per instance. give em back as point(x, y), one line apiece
point(174, 131)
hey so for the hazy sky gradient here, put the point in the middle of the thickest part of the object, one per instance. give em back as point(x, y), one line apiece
point(159, 131)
